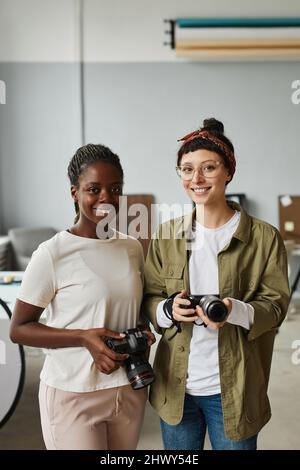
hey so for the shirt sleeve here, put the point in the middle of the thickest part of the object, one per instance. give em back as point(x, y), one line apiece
point(38, 284)
point(242, 314)
point(162, 320)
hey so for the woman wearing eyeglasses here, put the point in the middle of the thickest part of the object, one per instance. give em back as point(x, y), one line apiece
point(212, 373)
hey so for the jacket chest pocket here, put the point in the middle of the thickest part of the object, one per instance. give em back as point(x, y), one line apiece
point(173, 276)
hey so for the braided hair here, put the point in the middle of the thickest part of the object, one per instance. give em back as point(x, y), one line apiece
point(85, 156)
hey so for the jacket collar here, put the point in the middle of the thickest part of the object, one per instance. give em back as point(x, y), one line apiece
point(243, 230)
point(186, 223)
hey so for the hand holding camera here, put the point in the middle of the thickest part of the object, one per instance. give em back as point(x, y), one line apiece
point(217, 319)
point(182, 309)
point(106, 360)
point(212, 311)
point(135, 344)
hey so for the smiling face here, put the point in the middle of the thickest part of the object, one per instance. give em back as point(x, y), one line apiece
point(100, 184)
point(204, 189)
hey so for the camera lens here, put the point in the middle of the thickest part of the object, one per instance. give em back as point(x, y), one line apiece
point(139, 372)
point(138, 369)
point(214, 308)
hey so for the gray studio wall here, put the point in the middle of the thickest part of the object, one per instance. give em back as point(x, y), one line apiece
point(39, 131)
point(139, 99)
point(139, 110)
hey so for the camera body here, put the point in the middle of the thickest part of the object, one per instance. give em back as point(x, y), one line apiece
point(212, 306)
point(139, 372)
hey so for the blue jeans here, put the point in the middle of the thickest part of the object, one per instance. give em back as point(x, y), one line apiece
point(200, 413)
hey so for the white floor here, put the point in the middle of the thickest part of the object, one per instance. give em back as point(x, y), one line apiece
point(22, 431)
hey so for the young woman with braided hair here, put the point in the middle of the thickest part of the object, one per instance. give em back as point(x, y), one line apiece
point(213, 374)
point(91, 289)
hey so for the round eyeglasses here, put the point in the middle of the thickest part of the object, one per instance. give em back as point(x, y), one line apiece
point(209, 169)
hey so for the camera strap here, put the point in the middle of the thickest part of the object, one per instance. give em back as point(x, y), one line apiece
point(168, 311)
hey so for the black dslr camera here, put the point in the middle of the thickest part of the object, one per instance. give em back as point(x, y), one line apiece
point(212, 306)
point(138, 369)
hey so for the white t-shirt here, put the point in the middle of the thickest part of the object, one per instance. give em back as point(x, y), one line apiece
point(203, 365)
point(84, 283)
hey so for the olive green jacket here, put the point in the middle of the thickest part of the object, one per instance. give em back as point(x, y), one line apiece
point(252, 268)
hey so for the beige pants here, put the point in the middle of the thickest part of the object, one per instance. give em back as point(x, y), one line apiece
point(107, 419)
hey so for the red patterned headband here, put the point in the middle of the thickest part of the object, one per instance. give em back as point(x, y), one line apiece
point(226, 150)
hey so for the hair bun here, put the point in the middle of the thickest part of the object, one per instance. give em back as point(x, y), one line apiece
point(213, 125)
